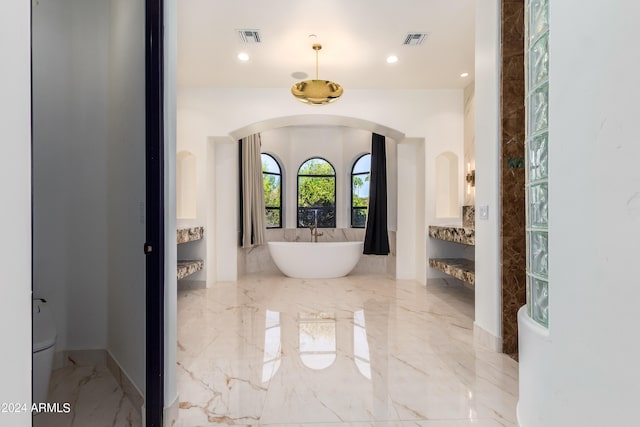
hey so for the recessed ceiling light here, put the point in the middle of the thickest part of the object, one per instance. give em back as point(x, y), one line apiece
point(243, 56)
point(464, 75)
point(392, 59)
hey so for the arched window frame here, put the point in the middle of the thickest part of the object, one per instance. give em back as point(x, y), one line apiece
point(306, 215)
point(273, 208)
point(355, 209)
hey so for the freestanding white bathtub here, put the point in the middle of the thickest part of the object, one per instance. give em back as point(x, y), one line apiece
point(319, 260)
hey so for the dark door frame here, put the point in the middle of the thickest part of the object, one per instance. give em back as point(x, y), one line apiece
point(154, 246)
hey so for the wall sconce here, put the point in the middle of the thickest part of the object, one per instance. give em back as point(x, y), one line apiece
point(470, 178)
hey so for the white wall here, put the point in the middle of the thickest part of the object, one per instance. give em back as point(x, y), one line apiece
point(126, 188)
point(15, 190)
point(586, 372)
point(186, 185)
point(434, 116)
point(410, 112)
point(70, 56)
point(469, 140)
point(223, 198)
point(487, 148)
point(411, 254)
point(447, 187)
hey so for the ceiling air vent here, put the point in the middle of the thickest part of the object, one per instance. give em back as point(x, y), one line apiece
point(414, 39)
point(249, 36)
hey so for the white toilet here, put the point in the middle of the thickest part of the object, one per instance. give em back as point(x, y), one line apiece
point(44, 341)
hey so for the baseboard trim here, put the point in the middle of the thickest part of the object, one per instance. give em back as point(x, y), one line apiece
point(128, 387)
point(101, 358)
point(483, 338)
point(518, 414)
point(171, 413)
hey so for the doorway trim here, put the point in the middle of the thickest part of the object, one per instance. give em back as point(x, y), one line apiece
point(154, 247)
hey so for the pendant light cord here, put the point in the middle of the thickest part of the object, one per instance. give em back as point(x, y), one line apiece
point(317, 47)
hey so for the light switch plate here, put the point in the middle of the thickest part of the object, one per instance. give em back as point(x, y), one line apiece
point(483, 212)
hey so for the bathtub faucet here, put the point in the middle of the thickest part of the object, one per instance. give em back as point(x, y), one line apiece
point(314, 233)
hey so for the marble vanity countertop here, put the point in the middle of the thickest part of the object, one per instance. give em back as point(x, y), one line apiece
point(188, 267)
point(190, 234)
point(460, 268)
point(453, 233)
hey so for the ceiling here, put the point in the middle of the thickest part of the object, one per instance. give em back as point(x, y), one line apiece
point(357, 36)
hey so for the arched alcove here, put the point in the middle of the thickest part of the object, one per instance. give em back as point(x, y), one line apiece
point(406, 197)
point(447, 205)
point(317, 120)
point(186, 194)
point(320, 123)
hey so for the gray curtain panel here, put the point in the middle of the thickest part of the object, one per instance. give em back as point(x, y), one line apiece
point(253, 220)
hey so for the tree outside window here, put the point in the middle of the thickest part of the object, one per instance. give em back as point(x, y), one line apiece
point(272, 183)
point(360, 175)
point(316, 194)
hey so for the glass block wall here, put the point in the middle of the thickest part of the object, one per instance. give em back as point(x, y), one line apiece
point(537, 137)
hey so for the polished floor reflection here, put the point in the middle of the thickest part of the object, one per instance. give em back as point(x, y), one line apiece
point(355, 351)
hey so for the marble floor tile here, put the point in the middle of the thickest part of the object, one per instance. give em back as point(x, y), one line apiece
point(354, 351)
point(94, 397)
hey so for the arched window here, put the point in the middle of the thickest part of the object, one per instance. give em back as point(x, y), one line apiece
point(360, 191)
point(316, 194)
point(272, 183)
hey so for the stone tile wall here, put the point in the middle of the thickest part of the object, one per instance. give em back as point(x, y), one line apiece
point(512, 193)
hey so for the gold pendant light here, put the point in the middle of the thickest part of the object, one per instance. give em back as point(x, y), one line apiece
point(316, 92)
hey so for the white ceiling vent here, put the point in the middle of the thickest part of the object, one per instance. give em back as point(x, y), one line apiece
point(249, 36)
point(414, 39)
